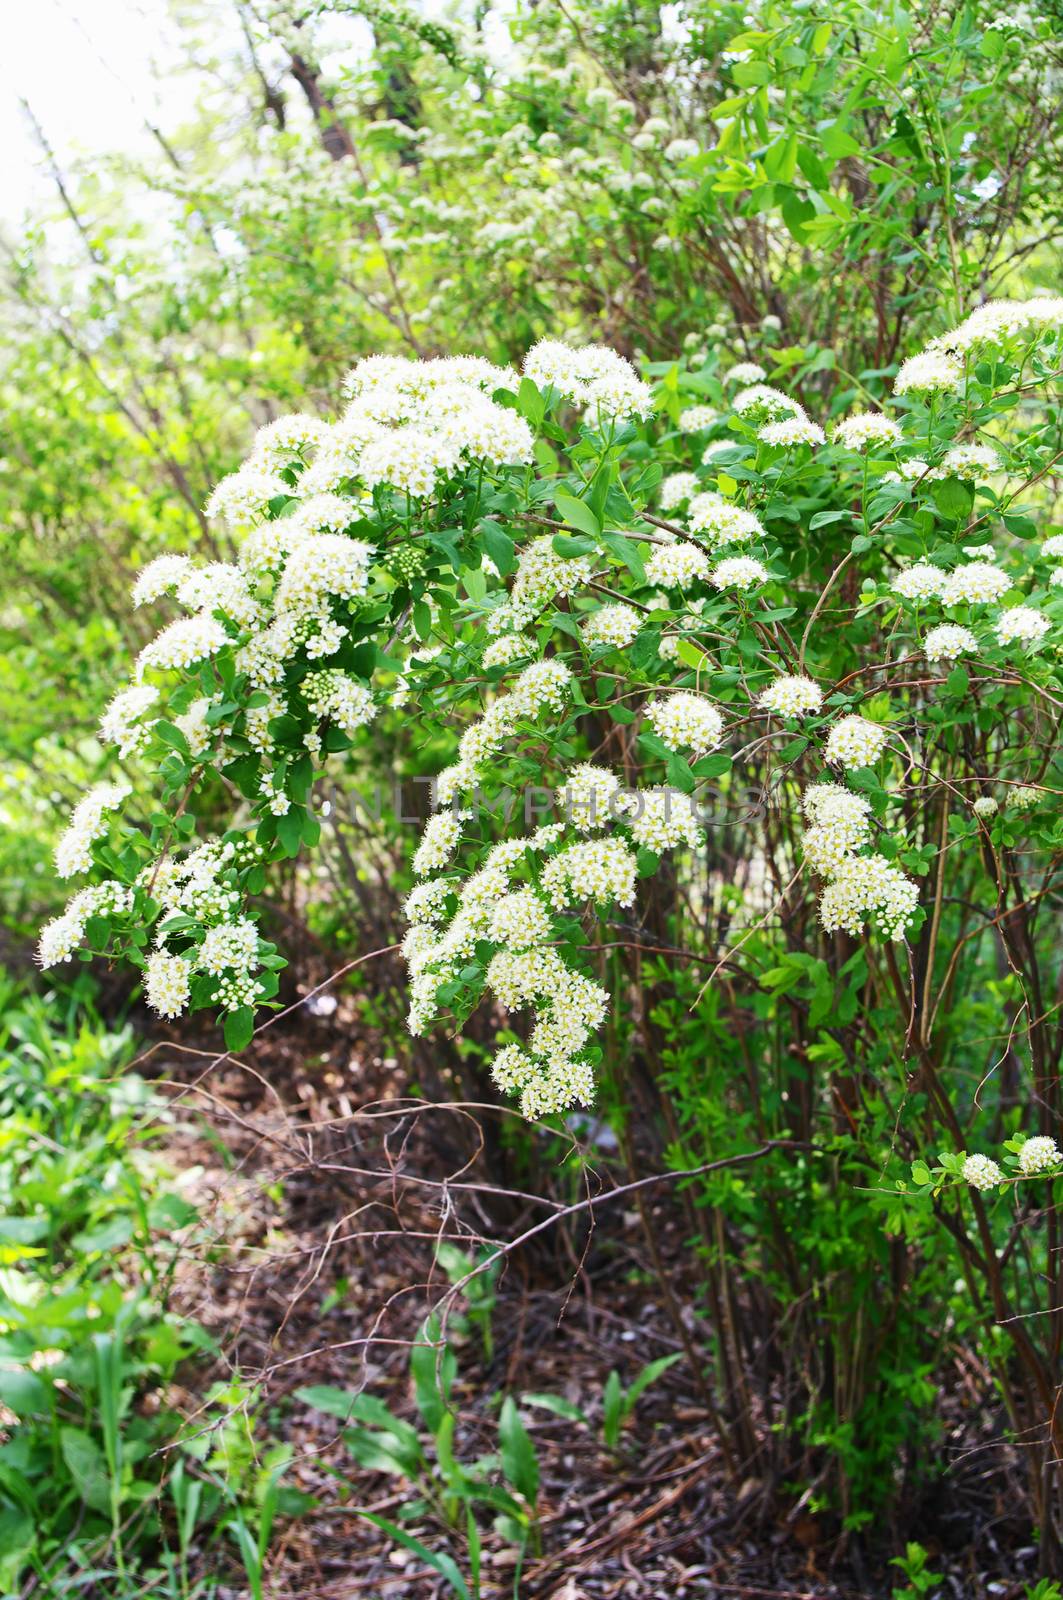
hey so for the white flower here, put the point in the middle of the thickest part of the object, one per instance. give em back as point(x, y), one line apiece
point(167, 981)
point(949, 641)
point(920, 582)
point(243, 497)
point(930, 372)
point(981, 1172)
point(159, 576)
point(697, 419)
point(1039, 1154)
point(681, 149)
point(686, 721)
point(595, 377)
point(121, 723)
point(977, 583)
point(545, 684)
point(182, 644)
point(676, 488)
point(614, 625)
point(510, 647)
point(863, 428)
point(739, 572)
point(438, 843)
point(1025, 797)
point(588, 796)
point(88, 822)
point(229, 945)
point(791, 431)
point(868, 886)
point(519, 920)
point(661, 818)
point(322, 567)
point(219, 587)
point(765, 404)
point(1052, 549)
point(745, 372)
point(542, 574)
point(601, 870)
point(286, 440)
point(971, 461)
point(723, 521)
point(854, 742)
point(424, 903)
point(1022, 623)
point(676, 566)
point(794, 696)
point(344, 700)
point(985, 806)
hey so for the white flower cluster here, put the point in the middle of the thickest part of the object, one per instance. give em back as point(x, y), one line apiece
point(974, 462)
point(745, 372)
point(698, 419)
point(63, 935)
point(791, 431)
point(342, 699)
point(1001, 321)
point(183, 644)
point(864, 886)
point(739, 572)
point(948, 641)
point(857, 886)
point(795, 696)
point(508, 648)
point(975, 583)
point(864, 428)
point(939, 368)
point(661, 819)
point(922, 581)
point(1039, 1154)
point(588, 796)
point(438, 842)
point(122, 723)
point(931, 372)
point(981, 1172)
point(593, 377)
point(1021, 624)
point(854, 742)
point(761, 403)
point(685, 721)
point(88, 822)
point(541, 575)
point(676, 488)
point(722, 521)
point(600, 870)
point(167, 983)
point(677, 566)
point(615, 625)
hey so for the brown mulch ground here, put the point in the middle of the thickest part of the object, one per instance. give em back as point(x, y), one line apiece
point(322, 1195)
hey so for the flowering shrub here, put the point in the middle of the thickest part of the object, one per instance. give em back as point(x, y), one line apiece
point(512, 524)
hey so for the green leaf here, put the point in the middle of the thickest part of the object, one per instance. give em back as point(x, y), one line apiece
point(239, 1028)
point(578, 513)
point(87, 1467)
point(499, 547)
point(953, 498)
point(612, 1410)
point(555, 1403)
point(519, 1461)
point(436, 1559)
point(648, 1375)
